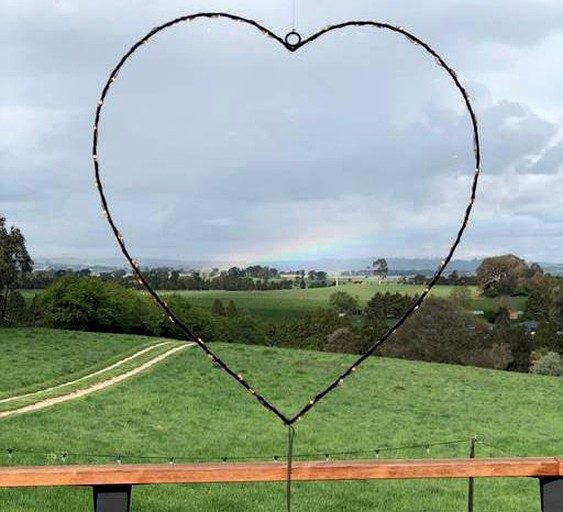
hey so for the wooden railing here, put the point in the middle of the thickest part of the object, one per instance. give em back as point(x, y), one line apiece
point(112, 484)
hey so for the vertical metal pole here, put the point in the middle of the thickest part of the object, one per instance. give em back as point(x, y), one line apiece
point(471, 485)
point(551, 493)
point(112, 498)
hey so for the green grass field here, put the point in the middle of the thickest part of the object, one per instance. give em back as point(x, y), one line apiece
point(187, 407)
point(281, 305)
point(292, 304)
point(33, 359)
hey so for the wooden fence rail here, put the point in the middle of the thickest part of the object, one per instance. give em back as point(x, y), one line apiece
point(112, 483)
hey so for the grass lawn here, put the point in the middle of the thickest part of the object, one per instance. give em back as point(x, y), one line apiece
point(186, 407)
point(34, 359)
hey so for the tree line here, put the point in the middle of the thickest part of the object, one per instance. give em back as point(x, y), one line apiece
point(254, 277)
point(441, 331)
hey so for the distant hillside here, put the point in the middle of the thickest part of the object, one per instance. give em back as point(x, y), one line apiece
point(396, 265)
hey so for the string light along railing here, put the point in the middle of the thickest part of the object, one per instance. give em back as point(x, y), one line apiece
point(351, 454)
point(291, 42)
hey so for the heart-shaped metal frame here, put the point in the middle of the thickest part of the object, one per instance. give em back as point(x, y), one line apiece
point(297, 43)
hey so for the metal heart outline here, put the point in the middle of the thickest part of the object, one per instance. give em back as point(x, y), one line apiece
point(287, 43)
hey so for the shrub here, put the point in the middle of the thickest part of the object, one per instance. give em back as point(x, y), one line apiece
point(89, 304)
point(548, 363)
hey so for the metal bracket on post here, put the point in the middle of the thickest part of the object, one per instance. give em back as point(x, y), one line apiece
point(551, 490)
point(112, 498)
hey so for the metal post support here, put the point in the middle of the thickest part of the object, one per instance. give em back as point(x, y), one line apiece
point(471, 484)
point(551, 490)
point(112, 498)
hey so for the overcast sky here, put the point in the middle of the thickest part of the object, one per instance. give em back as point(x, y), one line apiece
point(217, 143)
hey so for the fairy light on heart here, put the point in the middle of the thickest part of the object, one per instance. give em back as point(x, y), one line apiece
point(292, 42)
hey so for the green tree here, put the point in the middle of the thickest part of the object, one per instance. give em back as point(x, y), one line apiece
point(440, 332)
point(15, 308)
point(556, 303)
point(388, 305)
point(380, 268)
point(14, 262)
point(502, 275)
point(539, 297)
point(89, 304)
point(309, 332)
point(217, 308)
point(344, 303)
point(461, 296)
point(231, 309)
point(375, 326)
point(546, 337)
point(343, 340)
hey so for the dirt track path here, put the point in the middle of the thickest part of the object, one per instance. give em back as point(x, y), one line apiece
point(95, 387)
point(103, 370)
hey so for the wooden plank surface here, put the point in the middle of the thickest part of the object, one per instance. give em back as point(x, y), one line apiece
point(34, 476)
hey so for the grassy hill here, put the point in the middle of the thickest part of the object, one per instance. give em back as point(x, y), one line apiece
point(188, 408)
point(37, 358)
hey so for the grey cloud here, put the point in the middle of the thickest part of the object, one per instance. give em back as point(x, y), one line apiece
point(510, 133)
point(550, 161)
point(207, 146)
